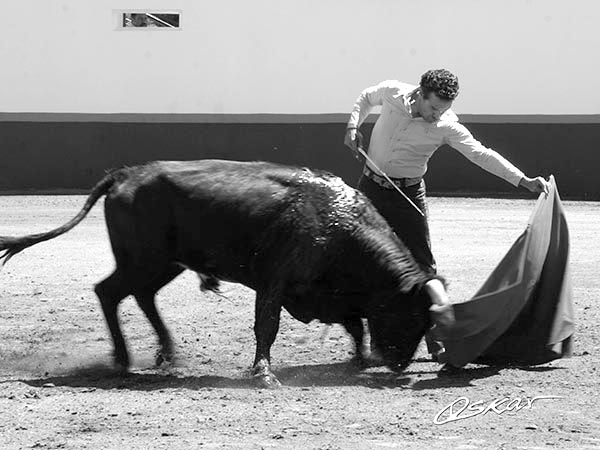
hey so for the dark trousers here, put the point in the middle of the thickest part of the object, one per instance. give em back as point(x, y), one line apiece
point(410, 226)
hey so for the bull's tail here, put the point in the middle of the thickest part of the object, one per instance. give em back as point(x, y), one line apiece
point(10, 246)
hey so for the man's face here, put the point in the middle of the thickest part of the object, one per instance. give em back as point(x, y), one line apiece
point(432, 108)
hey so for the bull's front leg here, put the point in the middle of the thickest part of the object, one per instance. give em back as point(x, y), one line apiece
point(266, 325)
point(363, 356)
point(354, 326)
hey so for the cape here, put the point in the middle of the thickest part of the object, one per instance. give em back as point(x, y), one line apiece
point(523, 313)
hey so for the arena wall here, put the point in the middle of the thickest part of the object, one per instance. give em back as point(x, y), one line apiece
point(275, 80)
point(72, 155)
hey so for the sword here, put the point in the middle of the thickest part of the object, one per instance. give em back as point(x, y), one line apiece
point(383, 174)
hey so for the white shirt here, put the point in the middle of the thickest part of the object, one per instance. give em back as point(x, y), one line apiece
point(402, 145)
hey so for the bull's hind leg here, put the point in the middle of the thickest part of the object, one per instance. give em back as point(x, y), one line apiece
point(146, 301)
point(266, 324)
point(118, 286)
point(110, 292)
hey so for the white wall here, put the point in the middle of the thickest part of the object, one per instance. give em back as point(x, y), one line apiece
point(306, 56)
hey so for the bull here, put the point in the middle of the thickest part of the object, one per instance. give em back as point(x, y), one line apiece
point(301, 239)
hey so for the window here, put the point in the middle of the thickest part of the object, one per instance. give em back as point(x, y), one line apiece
point(143, 19)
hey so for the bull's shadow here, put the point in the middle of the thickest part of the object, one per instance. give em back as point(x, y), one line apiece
point(111, 380)
point(339, 374)
point(102, 376)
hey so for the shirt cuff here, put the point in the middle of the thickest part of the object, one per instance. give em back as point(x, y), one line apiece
point(514, 178)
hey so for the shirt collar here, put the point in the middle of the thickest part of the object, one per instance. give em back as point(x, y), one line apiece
point(409, 101)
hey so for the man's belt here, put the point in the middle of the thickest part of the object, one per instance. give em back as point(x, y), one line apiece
point(381, 181)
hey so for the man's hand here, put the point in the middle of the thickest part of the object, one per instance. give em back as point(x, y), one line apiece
point(441, 309)
point(352, 141)
point(537, 184)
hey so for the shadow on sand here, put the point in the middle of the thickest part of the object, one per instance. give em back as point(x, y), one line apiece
point(102, 376)
point(464, 377)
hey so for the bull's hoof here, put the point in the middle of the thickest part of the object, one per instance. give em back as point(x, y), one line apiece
point(365, 358)
point(266, 381)
point(121, 370)
point(164, 359)
point(358, 362)
point(375, 362)
point(262, 375)
point(362, 362)
point(398, 367)
point(121, 364)
point(373, 359)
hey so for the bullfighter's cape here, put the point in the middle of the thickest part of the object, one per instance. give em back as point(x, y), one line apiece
point(523, 313)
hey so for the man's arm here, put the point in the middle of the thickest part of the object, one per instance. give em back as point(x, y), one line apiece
point(364, 104)
point(461, 139)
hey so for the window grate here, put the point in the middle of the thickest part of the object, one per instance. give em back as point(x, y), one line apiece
point(144, 19)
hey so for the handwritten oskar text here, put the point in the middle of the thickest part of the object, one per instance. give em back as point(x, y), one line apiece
point(462, 408)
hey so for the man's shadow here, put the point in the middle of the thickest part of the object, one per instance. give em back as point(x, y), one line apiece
point(464, 377)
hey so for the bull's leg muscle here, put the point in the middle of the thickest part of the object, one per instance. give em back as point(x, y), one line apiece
point(266, 324)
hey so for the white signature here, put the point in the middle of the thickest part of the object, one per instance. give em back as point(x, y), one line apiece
point(462, 408)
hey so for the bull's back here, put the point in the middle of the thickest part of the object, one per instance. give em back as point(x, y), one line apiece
point(227, 211)
point(203, 182)
point(250, 222)
point(232, 182)
point(219, 217)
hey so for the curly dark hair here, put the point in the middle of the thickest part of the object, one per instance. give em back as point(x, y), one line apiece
point(440, 81)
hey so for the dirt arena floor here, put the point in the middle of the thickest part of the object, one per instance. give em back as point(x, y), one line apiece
point(57, 390)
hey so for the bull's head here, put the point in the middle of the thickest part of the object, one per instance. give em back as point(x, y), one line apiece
point(401, 323)
point(397, 330)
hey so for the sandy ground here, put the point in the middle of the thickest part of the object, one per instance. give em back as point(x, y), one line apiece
point(57, 389)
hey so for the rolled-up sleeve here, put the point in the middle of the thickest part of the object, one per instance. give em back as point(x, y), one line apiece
point(460, 138)
point(367, 100)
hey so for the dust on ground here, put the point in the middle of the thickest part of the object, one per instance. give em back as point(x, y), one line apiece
point(58, 389)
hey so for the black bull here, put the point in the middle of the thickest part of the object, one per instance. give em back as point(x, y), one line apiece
point(302, 239)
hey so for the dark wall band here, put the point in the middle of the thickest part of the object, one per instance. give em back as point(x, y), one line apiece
point(55, 153)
